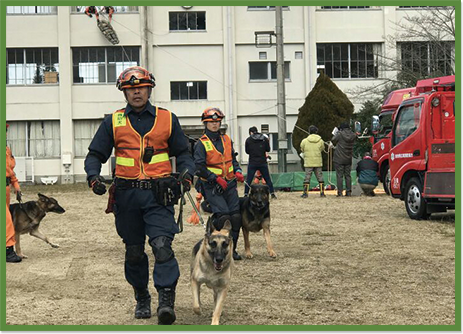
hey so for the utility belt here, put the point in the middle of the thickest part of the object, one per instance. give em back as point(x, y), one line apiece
point(8, 181)
point(166, 190)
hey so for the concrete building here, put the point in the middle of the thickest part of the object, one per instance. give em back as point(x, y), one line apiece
point(61, 71)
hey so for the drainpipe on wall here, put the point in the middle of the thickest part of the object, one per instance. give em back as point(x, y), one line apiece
point(231, 61)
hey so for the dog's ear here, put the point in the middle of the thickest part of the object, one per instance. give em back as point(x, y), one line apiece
point(42, 197)
point(227, 225)
point(209, 226)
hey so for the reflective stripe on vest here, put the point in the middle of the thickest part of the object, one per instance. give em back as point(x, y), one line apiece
point(130, 146)
point(216, 162)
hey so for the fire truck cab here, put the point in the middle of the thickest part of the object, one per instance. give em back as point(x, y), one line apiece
point(382, 127)
point(422, 154)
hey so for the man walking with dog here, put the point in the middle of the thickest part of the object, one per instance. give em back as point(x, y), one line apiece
point(257, 146)
point(218, 172)
point(144, 138)
point(344, 139)
point(312, 148)
point(11, 180)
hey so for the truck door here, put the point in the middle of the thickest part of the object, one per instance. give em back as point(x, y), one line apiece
point(408, 148)
point(440, 176)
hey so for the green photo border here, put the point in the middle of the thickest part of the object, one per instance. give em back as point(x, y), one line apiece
point(455, 327)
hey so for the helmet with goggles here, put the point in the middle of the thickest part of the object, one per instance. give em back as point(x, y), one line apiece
point(135, 76)
point(212, 115)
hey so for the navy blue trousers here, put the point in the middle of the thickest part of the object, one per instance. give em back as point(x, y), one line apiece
point(139, 215)
point(252, 169)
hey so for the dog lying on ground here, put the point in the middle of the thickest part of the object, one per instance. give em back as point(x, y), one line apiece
point(212, 264)
point(255, 216)
point(27, 217)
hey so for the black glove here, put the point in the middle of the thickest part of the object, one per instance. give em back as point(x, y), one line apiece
point(187, 182)
point(19, 196)
point(97, 184)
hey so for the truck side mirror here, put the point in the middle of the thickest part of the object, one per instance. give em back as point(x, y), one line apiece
point(358, 128)
point(375, 124)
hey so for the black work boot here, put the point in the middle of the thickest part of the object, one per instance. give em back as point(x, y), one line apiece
point(166, 313)
point(11, 255)
point(143, 308)
point(235, 236)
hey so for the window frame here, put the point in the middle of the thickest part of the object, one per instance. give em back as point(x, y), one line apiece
point(199, 84)
point(269, 71)
point(119, 66)
point(345, 7)
point(347, 60)
point(24, 68)
point(410, 104)
point(81, 9)
point(53, 11)
point(187, 21)
point(265, 8)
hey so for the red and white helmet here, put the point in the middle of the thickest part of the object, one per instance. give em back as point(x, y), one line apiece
point(212, 115)
point(135, 76)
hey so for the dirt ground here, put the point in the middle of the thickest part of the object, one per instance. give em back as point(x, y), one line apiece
point(341, 261)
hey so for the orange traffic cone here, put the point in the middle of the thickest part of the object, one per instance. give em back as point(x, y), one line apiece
point(194, 219)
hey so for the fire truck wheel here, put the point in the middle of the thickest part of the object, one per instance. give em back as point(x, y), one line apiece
point(414, 201)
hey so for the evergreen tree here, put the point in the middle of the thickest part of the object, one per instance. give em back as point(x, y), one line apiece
point(326, 106)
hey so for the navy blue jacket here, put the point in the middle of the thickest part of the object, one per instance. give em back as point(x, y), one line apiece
point(200, 157)
point(367, 171)
point(102, 145)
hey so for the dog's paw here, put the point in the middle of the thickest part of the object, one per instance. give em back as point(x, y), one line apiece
point(272, 254)
point(249, 255)
point(197, 310)
point(22, 256)
point(54, 245)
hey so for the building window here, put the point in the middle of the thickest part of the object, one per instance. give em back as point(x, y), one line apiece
point(30, 10)
point(265, 7)
point(38, 139)
point(187, 21)
point(84, 130)
point(425, 7)
point(117, 9)
point(263, 55)
point(427, 59)
point(32, 66)
point(349, 61)
point(345, 7)
point(188, 90)
point(298, 55)
point(266, 70)
point(102, 64)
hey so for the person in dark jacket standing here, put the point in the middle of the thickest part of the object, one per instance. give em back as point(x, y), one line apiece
point(257, 146)
point(144, 138)
point(218, 172)
point(367, 174)
point(344, 139)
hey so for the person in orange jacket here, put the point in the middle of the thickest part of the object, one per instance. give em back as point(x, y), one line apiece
point(11, 179)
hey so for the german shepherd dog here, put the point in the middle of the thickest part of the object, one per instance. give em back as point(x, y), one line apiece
point(255, 215)
point(212, 264)
point(27, 217)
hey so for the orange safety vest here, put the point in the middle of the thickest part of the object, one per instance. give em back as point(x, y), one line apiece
point(10, 164)
point(130, 147)
point(218, 163)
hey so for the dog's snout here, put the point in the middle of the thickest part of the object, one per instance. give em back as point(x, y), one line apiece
point(218, 259)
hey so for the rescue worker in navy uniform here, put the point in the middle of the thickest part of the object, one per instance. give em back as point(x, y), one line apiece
point(218, 171)
point(144, 137)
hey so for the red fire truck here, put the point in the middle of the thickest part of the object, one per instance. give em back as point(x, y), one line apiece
point(422, 154)
point(381, 139)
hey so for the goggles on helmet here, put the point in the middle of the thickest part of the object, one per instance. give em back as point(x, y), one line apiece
point(212, 115)
point(135, 76)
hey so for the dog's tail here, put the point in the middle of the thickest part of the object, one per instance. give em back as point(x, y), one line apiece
point(194, 219)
